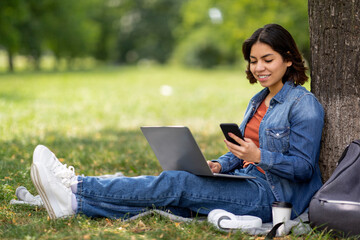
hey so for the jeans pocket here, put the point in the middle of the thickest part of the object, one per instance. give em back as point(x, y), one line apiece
point(278, 139)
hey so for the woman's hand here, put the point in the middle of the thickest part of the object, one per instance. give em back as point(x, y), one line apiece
point(248, 151)
point(214, 166)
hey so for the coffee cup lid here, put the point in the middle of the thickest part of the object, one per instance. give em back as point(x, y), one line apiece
point(282, 204)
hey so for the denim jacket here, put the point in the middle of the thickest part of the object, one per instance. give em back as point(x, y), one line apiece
point(289, 137)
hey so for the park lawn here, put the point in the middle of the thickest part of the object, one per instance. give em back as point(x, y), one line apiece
point(91, 120)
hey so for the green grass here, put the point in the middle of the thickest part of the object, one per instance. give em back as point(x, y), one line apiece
point(91, 119)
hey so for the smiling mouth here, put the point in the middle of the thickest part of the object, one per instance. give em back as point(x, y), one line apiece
point(263, 76)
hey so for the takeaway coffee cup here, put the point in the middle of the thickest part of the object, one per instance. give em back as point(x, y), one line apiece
point(281, 212)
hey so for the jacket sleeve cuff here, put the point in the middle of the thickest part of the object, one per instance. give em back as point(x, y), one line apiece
point(267, 160)
point(228, 162)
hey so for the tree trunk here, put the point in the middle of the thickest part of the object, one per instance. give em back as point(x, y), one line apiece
point(335, 74)
point(10, 61)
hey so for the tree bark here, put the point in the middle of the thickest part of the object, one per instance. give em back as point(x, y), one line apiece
point(335, 74)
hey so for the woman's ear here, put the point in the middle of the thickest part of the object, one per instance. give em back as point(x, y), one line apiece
point(288, 63)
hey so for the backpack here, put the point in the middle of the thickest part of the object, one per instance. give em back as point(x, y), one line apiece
point(336, 205)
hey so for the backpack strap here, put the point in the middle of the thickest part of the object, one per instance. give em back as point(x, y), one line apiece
point(272, 232)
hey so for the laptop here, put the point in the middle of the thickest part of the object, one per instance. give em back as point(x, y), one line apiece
point(176, 149)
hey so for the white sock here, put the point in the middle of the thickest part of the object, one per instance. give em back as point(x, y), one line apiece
point(74, 184)
point(74, 203)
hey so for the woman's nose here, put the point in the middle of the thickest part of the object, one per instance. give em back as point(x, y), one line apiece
point(259, 66)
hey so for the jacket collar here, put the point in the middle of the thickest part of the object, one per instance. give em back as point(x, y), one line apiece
point(279, 97)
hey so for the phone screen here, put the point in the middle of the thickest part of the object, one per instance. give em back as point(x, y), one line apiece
point(233, 128)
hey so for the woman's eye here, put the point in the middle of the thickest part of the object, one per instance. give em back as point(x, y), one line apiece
point(269, 61)
point(252, 62)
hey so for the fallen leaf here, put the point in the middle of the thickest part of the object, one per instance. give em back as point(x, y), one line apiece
point(109, 222)
point(87, 236)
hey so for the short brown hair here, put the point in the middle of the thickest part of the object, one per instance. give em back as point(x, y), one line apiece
point(281, 41)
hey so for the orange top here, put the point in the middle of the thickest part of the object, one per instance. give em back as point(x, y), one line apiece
point(252, 129)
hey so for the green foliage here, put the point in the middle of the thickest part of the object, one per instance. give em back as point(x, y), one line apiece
point(12, 12)
point(33, 27)
point(70, 33)
point(146, 29)
point(203, 48)
point(238, 20)
point(202, 33)
point(105, 15)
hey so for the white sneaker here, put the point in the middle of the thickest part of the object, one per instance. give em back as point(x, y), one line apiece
point(55, 195)
point(44, 157)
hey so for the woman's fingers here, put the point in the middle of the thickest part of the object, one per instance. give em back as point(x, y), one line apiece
point(237, 139)
point(214, 166)
point(247, 151)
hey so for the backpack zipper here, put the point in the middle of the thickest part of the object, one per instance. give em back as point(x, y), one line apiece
point(322, 201)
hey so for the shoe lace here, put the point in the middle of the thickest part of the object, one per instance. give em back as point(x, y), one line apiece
point(66, 174)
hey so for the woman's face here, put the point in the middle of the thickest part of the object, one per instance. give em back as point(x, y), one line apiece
point(267, 66)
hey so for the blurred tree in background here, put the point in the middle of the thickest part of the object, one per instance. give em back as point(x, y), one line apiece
point(203, 33)
point(32, 28)
point(146, 29)
point(217, 28)
point(12, 12)
point(70, 32)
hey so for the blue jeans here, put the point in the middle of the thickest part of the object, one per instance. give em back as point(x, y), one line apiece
point(180, 192)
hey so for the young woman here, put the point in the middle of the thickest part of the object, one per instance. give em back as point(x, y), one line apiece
point(282, 128)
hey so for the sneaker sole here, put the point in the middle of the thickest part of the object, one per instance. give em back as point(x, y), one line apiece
point(39, 187)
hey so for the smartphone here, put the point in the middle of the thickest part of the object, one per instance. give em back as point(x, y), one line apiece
point(233, 128)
